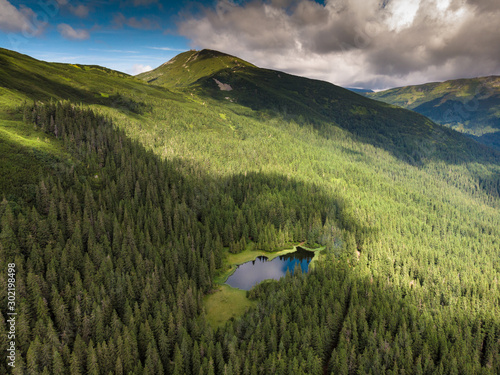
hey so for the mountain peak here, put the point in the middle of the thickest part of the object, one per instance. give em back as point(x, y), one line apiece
point(213, 53)
point(187, 67)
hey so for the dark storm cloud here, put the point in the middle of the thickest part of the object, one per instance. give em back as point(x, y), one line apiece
point(383, 44)
point(484, 5)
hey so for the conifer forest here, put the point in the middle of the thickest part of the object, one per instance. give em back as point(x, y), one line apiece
point(123, 204)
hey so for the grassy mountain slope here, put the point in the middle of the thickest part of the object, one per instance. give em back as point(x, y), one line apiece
point(27, 154)
point(471, 106)
point(314, 102)
point(118, 250)
point(24, 78)
point(190, 66)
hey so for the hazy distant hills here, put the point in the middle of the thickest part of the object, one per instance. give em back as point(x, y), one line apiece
point(471, 106)
point(359, 91)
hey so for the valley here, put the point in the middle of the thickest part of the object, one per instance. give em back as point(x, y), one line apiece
point(129, 199)
point(470, 106)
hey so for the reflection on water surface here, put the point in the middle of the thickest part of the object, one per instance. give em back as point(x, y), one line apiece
point(251, 273)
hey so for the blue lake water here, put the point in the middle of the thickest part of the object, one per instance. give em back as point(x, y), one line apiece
point(251, 273)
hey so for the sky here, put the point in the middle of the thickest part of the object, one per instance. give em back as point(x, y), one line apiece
point(373, 44)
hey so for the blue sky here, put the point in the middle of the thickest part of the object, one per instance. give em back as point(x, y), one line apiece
point(358, 43)
point(124, 35)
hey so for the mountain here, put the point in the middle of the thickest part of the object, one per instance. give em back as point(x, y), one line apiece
point(25, 78)
point(359, 91)
point(237, 83)
point(471, 106)
point(26, 152)
point(187, 67)
point(125, 205)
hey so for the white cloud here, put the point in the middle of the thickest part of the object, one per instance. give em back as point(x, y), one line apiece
point(138, 69)
point(69, 33)
point(403, 13)
point(15, 20)
point(371, 43)
point(81, 11)
point(112, 50)
point(167, 49)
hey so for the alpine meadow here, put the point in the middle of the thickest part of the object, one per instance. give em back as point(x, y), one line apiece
point(127, 201)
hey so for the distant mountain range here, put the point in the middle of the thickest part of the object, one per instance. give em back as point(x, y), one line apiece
point(471, 106)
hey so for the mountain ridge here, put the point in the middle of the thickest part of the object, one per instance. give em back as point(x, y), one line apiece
point(303, 99)
point(306, 101)
point(468, 105)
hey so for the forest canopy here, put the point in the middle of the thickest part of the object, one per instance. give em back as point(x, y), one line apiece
point(131, 210)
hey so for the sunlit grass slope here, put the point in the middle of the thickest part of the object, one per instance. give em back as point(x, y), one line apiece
point(26, 153)
point(190, 66)
point(25, 78)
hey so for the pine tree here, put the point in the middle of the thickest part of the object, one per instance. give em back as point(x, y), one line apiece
point(178, 362)
point(92, 361)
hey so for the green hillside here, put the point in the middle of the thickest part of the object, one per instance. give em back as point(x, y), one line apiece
point(24, 78)
point(135, 211)
point(471, 106)
point(26, 150)
point(27, 154)
point(188, 67)
point(314, 102)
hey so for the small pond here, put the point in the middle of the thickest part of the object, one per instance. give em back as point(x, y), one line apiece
point(251, 273)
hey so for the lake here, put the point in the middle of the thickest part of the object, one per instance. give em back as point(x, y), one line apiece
point(251, 273)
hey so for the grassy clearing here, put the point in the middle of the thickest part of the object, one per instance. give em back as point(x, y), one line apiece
point(318, 255)
point(226, 303)
point(26, 152)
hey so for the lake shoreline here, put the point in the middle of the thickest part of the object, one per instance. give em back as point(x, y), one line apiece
point(252, 255)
